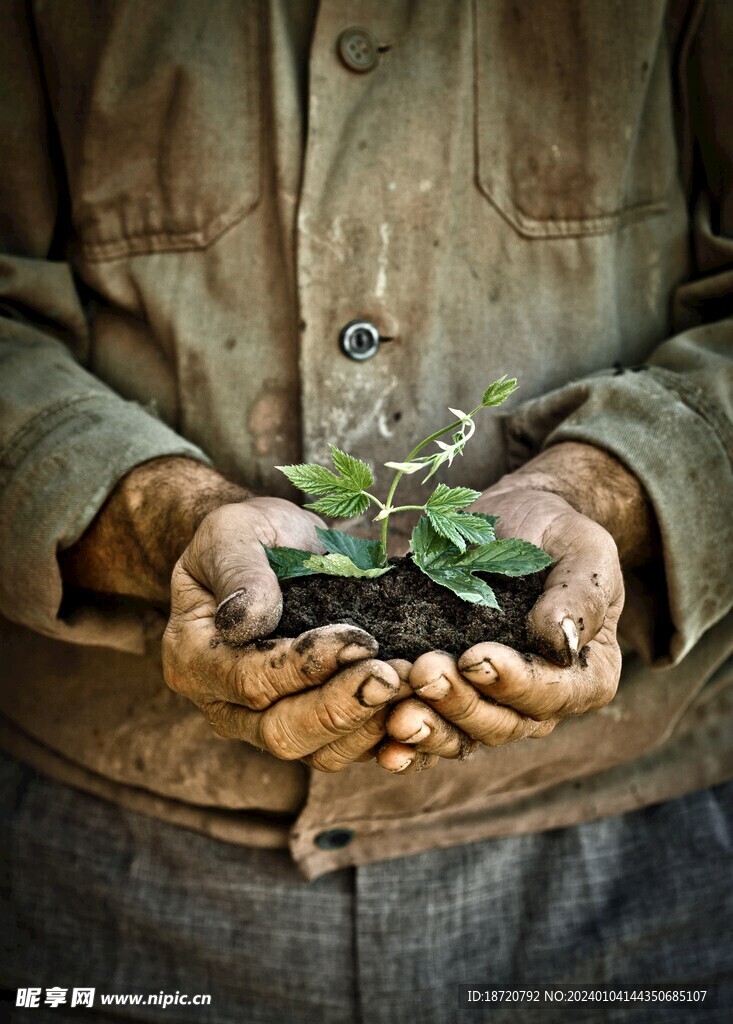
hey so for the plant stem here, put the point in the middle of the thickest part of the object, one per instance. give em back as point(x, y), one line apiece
point(407, 508)
point(399, 474)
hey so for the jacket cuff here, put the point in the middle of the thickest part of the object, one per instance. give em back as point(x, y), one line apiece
point(676, 442)
point(55, 474)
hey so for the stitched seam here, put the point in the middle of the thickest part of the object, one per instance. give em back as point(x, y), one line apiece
point(560, 228)
point(165, 241)
point(18, 444)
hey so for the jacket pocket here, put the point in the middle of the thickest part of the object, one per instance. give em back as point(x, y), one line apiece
point(158, 111)
point(574, 130)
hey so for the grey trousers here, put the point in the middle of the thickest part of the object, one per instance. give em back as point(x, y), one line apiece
point(93, 895)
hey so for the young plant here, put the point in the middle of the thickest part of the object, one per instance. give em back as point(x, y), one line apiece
point(448, 544)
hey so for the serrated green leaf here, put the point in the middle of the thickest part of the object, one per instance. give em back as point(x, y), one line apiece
point(288, 563)
point(427, 545)
point(462, 583)
point(511, 557)
point(340, 496)
point(354, 472)
point(341, 565)
point(445, 526)
point(366, 554)
point(442, 560)
point(341, 504)
point(446, 500)
point(499, 391)
point(474, 527)
point(311, 478)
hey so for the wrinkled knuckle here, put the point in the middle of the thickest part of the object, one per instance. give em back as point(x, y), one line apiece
point(220, 729)
point(517, 730)
point(326, 761)
point(585, 695)
point(541, 729)
point(336, 718)
point(547, 713)
point(277, 739)
point(571, 706)
point(214, 715)
point(506, 730)
point(248, 688)
point(254, 697)
point(493, 737)
point(471, 704)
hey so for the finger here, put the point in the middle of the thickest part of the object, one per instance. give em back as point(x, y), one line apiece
point(242, 594)
point(402, 667)
point(400, 759)
point(540, 689)
point(300, 724)
point(257, 675)
point(226, 557)
point(254, 605)
point(436, 679)
point(361, 745)
point(356, 746)
point(582, 590)
point(416, 724)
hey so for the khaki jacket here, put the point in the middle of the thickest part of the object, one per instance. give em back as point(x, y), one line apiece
point(195, 198)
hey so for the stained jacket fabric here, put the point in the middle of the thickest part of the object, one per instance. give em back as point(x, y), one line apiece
point(194, 199)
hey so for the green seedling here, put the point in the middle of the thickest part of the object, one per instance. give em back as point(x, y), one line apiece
point(449, 544)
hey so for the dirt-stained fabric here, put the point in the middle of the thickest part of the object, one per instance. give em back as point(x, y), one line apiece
point(194, 200)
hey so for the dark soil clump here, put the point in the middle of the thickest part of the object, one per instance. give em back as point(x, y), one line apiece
point(408, 614)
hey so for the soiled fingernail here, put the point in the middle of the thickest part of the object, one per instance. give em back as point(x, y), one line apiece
point(354, 652)
point(422, 734)
point(481, 672)
point(571, 634)
point(373, 692)
point(243, 617)
point(435, 689)
point(402, 762)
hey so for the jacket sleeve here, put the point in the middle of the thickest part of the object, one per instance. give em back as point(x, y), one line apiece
point(670, 421)
point(65, 438)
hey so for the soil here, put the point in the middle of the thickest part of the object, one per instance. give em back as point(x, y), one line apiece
point(408, 614)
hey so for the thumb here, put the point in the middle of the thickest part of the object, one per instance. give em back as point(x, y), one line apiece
point(249, 602)
point(583, 591)
point(227, 558)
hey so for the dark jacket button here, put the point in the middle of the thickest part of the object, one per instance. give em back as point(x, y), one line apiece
point(357, 48)
point(359, 340)
point(334, 838)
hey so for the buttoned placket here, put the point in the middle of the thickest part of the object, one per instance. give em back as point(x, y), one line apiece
point(366, 336)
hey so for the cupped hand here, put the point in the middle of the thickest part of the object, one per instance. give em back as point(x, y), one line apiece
point(320, 697)
point(493, 694)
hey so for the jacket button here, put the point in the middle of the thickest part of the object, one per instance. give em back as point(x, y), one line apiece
point(357, 48)
point(359, 340)
point(334, 838)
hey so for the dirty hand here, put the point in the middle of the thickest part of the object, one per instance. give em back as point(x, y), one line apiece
point(319, 697)
point(588, 512)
